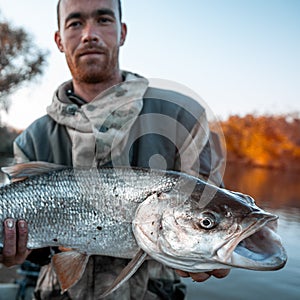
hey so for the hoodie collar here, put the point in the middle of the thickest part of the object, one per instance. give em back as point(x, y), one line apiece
point(66, 106)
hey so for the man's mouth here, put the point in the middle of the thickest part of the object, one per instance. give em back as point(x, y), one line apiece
point(91, 53)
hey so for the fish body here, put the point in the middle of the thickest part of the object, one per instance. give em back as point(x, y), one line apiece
point(177, 219)
point(89, 210)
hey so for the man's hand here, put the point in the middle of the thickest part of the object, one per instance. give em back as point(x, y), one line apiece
point(204, 275)
point(15, 243)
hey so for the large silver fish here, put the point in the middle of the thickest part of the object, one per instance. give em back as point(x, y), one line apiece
point(174, 218)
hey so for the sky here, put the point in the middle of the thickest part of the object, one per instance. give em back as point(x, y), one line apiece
point(239, 56)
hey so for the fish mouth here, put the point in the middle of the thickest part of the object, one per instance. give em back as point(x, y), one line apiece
point(258, 247)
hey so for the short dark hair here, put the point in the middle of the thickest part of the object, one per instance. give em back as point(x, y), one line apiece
point(58, 12)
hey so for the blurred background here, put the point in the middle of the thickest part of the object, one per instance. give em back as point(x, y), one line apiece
point(242, 57)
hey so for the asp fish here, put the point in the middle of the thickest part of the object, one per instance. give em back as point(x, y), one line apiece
point(176, 219)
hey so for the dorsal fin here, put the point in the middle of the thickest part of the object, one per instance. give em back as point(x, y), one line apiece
point(127, 272)
point(22, 171)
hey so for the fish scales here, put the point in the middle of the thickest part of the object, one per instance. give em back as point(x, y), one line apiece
point(88, 210)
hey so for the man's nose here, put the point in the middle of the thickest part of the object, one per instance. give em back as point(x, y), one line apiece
point(90, 33)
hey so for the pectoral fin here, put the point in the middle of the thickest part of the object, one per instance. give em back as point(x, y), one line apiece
point(127, 272)
point(69, 267)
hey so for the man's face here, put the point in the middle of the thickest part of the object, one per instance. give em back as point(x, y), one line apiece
point(90, 36)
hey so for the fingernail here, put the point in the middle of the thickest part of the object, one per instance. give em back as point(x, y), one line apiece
point(10, 224)
point(22, 224)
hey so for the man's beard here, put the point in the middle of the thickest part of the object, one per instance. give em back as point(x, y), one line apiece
point(94, 71)
point(93, 74)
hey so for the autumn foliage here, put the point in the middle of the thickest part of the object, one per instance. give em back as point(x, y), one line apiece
point(265, 141)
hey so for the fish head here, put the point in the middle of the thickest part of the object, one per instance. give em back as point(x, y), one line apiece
point(195, 235)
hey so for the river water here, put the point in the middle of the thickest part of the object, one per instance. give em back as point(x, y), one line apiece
point(278, 192)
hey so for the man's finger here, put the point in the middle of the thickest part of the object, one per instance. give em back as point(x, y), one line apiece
point(9, 242)
point(199, 277)
point(22, 238)
point(10, 238)
point(220, 273)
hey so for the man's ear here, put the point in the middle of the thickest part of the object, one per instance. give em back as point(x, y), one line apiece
point(123, 34)
point(58, 42)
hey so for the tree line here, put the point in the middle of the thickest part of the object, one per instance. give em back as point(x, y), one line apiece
point(264, 141)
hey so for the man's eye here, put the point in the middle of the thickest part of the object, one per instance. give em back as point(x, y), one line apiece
point(105, 20)
point(74, 24)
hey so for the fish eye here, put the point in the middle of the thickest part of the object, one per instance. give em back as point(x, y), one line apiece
point(207, 221)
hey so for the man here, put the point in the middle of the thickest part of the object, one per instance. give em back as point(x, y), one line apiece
point(105, 116)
